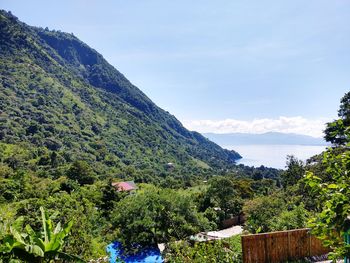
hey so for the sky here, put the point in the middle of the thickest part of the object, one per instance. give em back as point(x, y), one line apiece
point(218, 66)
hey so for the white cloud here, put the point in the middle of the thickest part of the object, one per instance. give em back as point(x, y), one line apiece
point(299, 125)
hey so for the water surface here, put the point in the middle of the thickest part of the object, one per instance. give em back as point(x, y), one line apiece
point(273, 155)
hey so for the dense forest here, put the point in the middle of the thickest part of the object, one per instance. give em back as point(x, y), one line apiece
point(71, 125)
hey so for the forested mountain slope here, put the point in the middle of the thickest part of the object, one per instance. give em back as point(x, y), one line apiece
point(61, 101)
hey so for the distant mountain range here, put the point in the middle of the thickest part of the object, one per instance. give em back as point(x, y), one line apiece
point(272, 138)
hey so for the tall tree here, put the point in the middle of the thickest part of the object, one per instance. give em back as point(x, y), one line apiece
point(154, 216)
point(81, 172)
point(333, 202)
point(337, 132)
point(331, 187)
point(222, 193)
point(295, 171)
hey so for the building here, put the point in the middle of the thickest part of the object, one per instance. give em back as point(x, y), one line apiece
point(128, 186)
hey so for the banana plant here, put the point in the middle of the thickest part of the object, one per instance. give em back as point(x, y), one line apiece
point(31, 246)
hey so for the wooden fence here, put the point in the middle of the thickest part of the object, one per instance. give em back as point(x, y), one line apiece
point(281, 246)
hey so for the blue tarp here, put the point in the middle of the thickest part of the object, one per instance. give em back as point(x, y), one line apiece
point(145, 255)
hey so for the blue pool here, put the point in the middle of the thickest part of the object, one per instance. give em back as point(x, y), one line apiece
point(146, 255)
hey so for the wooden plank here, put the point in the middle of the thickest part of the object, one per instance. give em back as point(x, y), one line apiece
point(317, 248)
point(299, 244)
point(276, 248)
point(253, 247)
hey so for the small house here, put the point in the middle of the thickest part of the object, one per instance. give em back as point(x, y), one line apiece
point(128, 186)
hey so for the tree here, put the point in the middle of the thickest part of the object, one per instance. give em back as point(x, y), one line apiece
point(222, 193)
point(261, 211)
point(337, 132)
point(333, 201)
point(31, 246)
point(290, 219)
point(227, 250)
point(153, 216)
point(244, 187)
point(295, 171)
point(81, 172)
point(344, 109)
point(110, 196)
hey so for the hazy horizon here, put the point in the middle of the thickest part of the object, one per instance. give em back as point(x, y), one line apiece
point(262, 133)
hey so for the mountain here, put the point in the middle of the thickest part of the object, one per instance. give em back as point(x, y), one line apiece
point(61, 101)
point(230, 139)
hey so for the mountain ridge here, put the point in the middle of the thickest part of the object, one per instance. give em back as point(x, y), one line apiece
point(60, 95)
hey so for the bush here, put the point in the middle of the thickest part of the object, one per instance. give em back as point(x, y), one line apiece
point(224, 251)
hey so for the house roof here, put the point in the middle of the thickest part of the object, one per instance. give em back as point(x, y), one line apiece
point(125, 186)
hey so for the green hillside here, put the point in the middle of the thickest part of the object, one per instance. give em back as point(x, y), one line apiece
point(61, 101)
point(70, 126)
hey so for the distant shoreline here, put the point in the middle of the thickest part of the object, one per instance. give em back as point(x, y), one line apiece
point(269, 138)
point(273, 155)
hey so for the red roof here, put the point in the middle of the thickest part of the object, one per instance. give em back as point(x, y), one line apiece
point(125, 186)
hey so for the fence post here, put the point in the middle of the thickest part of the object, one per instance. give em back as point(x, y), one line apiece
point(309, 235)
point(243, 250)
point(289, 257)
point(265, 248)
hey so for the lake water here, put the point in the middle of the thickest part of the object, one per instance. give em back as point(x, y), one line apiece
point(273, 155)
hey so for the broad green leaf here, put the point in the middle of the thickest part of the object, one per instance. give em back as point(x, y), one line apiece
point(43, 219)
point(18, 223)
point(17, 236)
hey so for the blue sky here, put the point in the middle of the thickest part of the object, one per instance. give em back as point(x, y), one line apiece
point(222, 66)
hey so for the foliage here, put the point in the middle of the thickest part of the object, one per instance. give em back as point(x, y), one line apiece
point(274, 213)
point(65, 102)
point(337, 132)
point(329, 186)
point(32, 246)
point(225, 251)
point(333, 200)
point(153, 216)
point(86, 239)
point(260, 212)
point(81, 172)
point(70, 124)
point(294, 218)
point(295, 171)
point(222, 195)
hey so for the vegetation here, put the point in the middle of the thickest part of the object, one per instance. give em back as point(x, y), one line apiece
point(331, 186)
point(154, 216)
point(61, 98)
point(225, 251)
point(337, 132)
point(71, 124)
point(34, 246)
point(274, 213)
point(315, 194)
point(332, 222)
